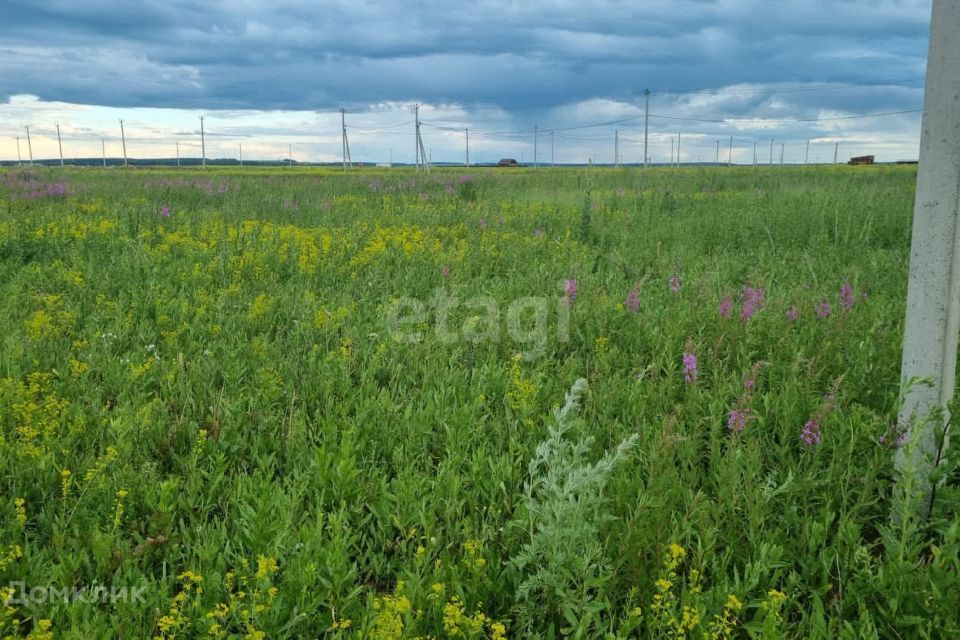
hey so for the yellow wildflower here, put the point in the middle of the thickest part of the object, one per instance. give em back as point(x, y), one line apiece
point(266, 566)
point(20, 512)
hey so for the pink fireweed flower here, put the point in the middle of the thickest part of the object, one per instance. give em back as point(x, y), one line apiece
point(753, 300)
point(633, 301)
point(675, 283)
point(895, 437)
point(689, 367)
point(792, 314)
point(741, 414)
point(165, 210)
point(824, 309)
point(570, 289)
point(811, 433)
point(847, 299)
point(737, 421)
point(726, 307)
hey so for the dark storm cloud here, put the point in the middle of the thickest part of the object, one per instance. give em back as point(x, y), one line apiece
point(286, 55)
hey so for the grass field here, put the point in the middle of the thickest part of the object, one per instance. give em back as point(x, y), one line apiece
point(301, 403)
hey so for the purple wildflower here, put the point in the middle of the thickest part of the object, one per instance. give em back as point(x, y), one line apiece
point(689, 367)
point(824, 309)
point(726, 307)
point(633, 301)
point(570, 289)
point(895, 442)
point(738, 419)
point(792, 314)
point(165, 211)
point(753, 300)
point(811, 433)
point(675, 283)
point(847, 299)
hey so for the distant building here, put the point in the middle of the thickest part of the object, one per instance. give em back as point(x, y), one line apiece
point(508, 162)
point(861, 160)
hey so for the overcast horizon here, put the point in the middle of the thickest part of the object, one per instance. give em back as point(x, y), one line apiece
point(271, 75)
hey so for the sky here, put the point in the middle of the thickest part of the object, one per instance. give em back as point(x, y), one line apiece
point(563, 79)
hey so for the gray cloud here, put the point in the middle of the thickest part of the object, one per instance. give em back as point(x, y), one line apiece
point(489, 64)
point(292, 55)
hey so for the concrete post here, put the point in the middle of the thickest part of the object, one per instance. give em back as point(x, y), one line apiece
point(933, 292)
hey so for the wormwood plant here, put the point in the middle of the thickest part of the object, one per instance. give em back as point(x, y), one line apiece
point(562, 565)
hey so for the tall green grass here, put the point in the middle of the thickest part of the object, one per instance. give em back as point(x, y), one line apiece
point(211, 406)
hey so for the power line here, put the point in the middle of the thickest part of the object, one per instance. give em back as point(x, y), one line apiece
point(405, 123)
point(787, 120)
point(562, 130)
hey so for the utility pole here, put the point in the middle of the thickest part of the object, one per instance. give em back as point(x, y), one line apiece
point(466, 133)
point(347, 160)
point(782, 145)
point(836, 149)
point(671, 151)
point(730, 153)
point(646, 128)
point(203, 144)
point(343, 137)
point(933, 288)
point(717, 160)
point(241, 153)
point(19, 159)
point(806, 155)
point(59, 144)
point(552, 164)
point(424, 162)
point(535, 130)
point(29, 146)
point(616, 148)
point(178, 154)
point(771, 151)
point(123, 140)
point(103, 150)
point(678, 150)
point(421, 152)
point(289, 155)
point(754, 153)
point(416, 138)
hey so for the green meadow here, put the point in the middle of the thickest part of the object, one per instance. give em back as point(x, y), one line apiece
point(470, 403)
